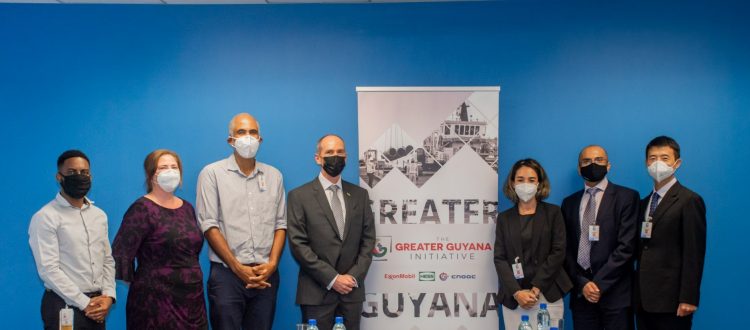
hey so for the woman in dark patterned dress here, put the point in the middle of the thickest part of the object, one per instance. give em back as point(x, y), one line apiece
point(160, 231)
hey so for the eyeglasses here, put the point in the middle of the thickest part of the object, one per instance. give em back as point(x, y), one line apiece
point(598, 160)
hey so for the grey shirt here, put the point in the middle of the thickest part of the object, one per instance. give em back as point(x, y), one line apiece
point(71, 250)
point(246, 209)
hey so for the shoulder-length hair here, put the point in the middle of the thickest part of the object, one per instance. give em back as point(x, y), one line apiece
point(543, 189)
point(152, 162)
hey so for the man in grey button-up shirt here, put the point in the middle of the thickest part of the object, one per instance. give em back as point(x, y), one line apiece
point(242, 212)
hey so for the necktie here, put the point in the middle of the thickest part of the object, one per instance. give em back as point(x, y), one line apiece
point(338, 211)
point(589, 218)
point(654, 204)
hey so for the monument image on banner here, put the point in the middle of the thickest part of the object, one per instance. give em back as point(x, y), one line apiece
point(429, 159)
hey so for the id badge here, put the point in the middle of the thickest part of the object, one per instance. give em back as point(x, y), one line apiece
point(66, 318)
point(262, 182)
point(593, 233)
point(646, 229)
point(518, 269)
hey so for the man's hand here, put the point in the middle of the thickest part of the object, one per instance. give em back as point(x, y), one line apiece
point(344, 284)
point(98, 308)
point(263, 272)
point(686, 309)
point(591, 292)
point(252, 280)
point(525, 298)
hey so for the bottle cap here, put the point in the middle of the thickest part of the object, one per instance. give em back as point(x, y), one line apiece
point(339, 319)
point(553, 328)
point(543, 305)
point(524, 318)
point(312, 322)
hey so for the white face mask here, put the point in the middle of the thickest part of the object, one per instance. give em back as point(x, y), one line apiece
point(168, 180)
point(246, 146)
point(659, 170)
point(525, 191)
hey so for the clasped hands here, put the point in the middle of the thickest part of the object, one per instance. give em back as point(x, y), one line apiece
point(344, 283)
point(527, 298)
point(255, 277)
point(98, 308)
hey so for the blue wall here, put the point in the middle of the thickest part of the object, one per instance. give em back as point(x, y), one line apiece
point(119, 81)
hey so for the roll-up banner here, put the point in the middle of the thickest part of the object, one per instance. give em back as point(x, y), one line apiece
point(429, 158)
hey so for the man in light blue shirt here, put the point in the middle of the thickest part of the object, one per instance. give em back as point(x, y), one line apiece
point(242, 212)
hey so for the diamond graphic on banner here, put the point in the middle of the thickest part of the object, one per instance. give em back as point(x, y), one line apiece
point(394, 149)
point(482, 131)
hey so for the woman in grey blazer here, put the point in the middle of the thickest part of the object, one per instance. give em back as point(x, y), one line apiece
point(530, 247)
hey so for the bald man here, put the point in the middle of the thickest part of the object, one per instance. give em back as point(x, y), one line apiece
point(242, 212)
point(331, 235)
point(601, 226)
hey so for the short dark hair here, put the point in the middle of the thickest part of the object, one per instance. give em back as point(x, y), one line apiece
point(664, 141)
point(542, 191)
point(70, 154)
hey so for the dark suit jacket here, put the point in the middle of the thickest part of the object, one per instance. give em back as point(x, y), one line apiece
point(548, 251)
point(670, 263)
point(315, 243)
point(612, 256)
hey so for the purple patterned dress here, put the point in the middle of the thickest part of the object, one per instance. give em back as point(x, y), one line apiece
point(166, 289)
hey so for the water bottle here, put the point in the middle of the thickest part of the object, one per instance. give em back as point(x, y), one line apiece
point(542, 318)
point(312, 324)
point(339, 323)
point(525, 325)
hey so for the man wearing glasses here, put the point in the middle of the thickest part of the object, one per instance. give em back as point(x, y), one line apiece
point(601, 226)
point(70, 243)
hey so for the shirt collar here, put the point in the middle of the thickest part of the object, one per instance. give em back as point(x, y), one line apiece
point(64, 202)
point(325, 183)
point(663, 190)
point(602, 185)
point(231, 165)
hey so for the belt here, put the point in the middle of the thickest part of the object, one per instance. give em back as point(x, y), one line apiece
point(88, 294)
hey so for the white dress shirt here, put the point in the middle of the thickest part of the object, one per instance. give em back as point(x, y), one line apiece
point(662, 192)
point(71, 250)
point(602, 185)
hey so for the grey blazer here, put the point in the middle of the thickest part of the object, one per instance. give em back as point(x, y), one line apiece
point(315, 243)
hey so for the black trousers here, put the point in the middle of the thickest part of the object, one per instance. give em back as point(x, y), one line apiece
point(588, 316)
point(234, 307)
point(51, 306)
point(325, 314)
point(662, 321)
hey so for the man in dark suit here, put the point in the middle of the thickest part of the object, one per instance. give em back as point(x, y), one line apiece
point(672, 246)
point(601, 227)
point(331, 233)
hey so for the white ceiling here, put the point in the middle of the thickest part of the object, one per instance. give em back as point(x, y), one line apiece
point(214, 2)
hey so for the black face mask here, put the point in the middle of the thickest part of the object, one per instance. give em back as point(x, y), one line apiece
point(594, 172)
point(76, 185)
point(333, 165)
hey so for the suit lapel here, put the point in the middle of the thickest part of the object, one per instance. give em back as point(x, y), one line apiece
point(540, 216)
point(320, 195)
point(671, 197)
point(349, 206)
point(577, 216)
point(514, 228)
point(606, 204)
